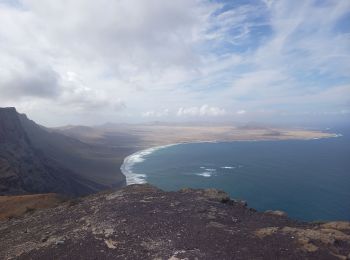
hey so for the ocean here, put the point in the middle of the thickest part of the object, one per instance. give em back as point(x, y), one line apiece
point(308, 179)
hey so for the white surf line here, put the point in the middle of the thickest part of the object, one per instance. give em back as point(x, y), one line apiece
point(131, 160)
point(205, 174)
point(137, 157)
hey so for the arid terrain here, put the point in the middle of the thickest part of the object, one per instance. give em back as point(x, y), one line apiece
point(139, 221)
point(124, 139)
point(119, 119)
point(15, 206)
point(143, 222)
point(79, 160)
point(148, 135)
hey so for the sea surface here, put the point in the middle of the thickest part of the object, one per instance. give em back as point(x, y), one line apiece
point(308, 179)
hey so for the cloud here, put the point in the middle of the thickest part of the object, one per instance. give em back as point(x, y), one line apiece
point(78, 95)
point(203, 110)
point(131, 49)
point(304, 55)
point(268, 2)
point(124, 60)
point(260, 83)
point(153, 113)
point(139, 34)
point(306, 38)
point(241, 112)
point(30, 81)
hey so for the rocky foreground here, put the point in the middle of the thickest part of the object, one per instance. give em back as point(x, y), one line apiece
point(143, 222)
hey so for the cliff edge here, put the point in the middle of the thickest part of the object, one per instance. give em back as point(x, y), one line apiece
point(34, 159)
point(143, 222)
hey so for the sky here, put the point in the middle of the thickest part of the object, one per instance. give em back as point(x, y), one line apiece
point(90, 62)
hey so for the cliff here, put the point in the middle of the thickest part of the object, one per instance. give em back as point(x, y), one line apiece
point(34, 160)
point(143, 222)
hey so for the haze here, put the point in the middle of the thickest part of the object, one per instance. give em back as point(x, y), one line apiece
point(91, 62)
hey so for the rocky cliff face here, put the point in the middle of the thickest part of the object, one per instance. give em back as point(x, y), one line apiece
point(143, 222)
point(11, 130)
point(25, 168)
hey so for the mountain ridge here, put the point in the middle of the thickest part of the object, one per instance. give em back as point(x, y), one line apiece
point(33, 159)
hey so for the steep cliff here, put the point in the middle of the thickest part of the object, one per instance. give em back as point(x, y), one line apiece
point(32, 159)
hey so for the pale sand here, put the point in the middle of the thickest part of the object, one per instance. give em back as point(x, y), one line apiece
point(162, 135)
point(120, 141)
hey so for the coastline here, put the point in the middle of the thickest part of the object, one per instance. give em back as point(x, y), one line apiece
point(137, 157)
point(132, 159)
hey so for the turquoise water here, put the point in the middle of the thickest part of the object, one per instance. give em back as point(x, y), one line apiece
point(308, 179)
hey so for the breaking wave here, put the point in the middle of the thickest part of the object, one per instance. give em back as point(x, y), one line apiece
point(138, 157)
point(135, 158)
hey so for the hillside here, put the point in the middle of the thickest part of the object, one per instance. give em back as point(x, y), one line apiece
point(35, 160)
point(16, 206)
point(143, 222)
point(77, 160)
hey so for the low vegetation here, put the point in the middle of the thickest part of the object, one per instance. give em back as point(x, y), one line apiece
point(16, 206)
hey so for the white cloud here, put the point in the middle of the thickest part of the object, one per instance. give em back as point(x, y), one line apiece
point(268, 2)
point(102, 55)
point(241, 112)
point(260, 83)
point(203, 110)
point(108, 60)
point(152, 113)
point(303, 59)
point(304, 38)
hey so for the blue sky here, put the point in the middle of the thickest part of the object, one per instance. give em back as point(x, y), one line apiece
point(88, 62)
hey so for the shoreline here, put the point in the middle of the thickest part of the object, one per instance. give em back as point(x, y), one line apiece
point(137, 157)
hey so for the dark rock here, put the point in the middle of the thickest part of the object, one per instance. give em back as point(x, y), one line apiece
point(242, 203)
point(117, 225)
point(44, 239)
point(36, 160)
point(212, 194)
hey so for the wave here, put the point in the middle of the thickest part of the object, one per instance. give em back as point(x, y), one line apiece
point(138, 157)
point(205, 174)
point(210, 170)
point(135, 158)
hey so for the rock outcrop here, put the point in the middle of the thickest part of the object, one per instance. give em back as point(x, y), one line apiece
point(143, 222)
